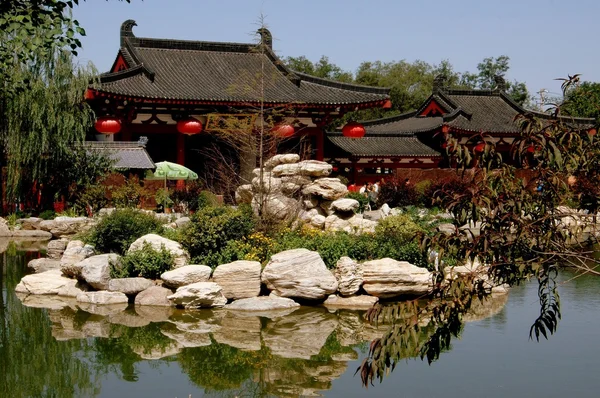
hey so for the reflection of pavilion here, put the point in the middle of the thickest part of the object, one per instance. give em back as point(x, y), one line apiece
point(299, 352)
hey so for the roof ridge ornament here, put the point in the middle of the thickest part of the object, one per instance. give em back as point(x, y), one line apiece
point(127, 30)
point(266, 38)
point(439, 83)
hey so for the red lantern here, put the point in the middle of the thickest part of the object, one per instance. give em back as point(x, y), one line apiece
point(592, 132)
point(189, 126)
point(283, 130)
point(530, 149)
point(108, 125)
point(353, 130)
point(479, 147)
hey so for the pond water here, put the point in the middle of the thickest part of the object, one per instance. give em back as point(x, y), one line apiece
point(63, 351)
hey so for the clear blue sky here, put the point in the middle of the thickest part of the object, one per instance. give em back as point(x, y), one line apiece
point(544, 39)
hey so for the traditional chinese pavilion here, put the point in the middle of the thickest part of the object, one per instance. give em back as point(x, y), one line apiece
point(415, 140)
point(177, 92)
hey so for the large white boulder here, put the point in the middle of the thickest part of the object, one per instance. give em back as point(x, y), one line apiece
point(75, 252)
point(263, 303)
point(239, 279)
point(327, 188)
point(284, 158)
point(66, 226)
point(102, 298)
point(349, 275)
point(129, 286)
point(244, 194)
point(352, 302)
point(186, 275)
point(386, 278)
point(49, 282)
point(276, 206)
point(43, 264)
point(299, 273)
point(95, 270)
point(269, 184)
point(155, 296)
point(30, 223)
point(56, 248)
point(199, 295)
point(345, 205)
point(181, 256)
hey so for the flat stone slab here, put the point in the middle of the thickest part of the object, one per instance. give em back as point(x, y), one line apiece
point(263, 303)
point(352, 302)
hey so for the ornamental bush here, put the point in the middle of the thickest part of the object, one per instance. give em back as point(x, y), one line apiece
point(212, 228)
point(146, 262)
point(115, 232)
point(397, 193)
point(400, 229)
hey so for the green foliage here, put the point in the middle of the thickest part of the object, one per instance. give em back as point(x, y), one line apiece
point(421, 189)
point(11, 220)
point(115, 232)
point(47, 215)
point(322, 68)
point(146, 262)
point(400, 228)
point(583, 100)
point(363, 201)
point(92, 199)
point(205, 199)
point(129, 194)
point(163, 198)
point(212, 228)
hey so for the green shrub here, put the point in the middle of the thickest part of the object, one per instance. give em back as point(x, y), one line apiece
point(92, 199)
point(117, 231)
point(212, 228)
point(363, 201)
point(422, 189)
point(129, 194)
point(400, 229)
point(204, 199)
point(47, 215)
point(146, 262)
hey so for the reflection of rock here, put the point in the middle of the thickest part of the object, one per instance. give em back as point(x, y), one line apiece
point(128, 318)
point(363, 301)
point(157, 352)
point(204, 321)
point(154, 313)
point(353, 329)
point(186, 339)
point(67, 324)
point(299, 335)
point(46, 301)
point(299, 273)
point(490, 306)
point(242, 332)
point(104, 309)
point(49, 282)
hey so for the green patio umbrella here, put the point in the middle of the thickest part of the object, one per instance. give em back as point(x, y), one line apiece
point(170, 171)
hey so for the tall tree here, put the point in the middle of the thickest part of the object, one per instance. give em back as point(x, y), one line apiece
point(583, 101)
point(322, 68)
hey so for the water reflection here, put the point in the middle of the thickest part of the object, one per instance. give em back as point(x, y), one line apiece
point(74, 347)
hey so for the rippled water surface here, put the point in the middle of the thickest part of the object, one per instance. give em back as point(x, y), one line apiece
point(55, 348)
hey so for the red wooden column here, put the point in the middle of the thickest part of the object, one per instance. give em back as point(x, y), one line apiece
point(180, 149)
point(320, 144)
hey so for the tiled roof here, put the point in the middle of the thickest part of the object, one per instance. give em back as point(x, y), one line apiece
point(127, 155)
point(383, 146)
point(406, 122)
point(222, 72)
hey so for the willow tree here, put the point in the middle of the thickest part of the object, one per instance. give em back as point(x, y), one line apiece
point(44, 121)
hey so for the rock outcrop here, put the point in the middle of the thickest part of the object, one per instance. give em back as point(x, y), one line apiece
point(129, 286)
point(387, 278)
point(239, 279)
point(181, 256)
point(299, 273)
point(349, 275)
point(186, 275)
point(199, 295)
